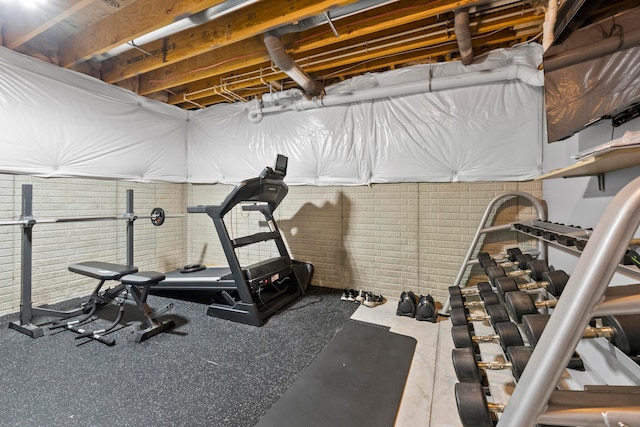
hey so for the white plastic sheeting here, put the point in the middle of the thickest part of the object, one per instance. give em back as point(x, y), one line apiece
point(60, 123)
point(56, 122)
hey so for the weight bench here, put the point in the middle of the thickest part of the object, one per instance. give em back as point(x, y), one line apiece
point(131, 282)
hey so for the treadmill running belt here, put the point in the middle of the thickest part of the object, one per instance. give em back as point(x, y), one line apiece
point(356, 380)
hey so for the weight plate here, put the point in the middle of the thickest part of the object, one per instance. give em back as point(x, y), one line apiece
point(456, 301)
point(506, 284)
point(157, 216)
point(533, 326)
point(484, 287)
point(513, 252)
point(519, 304)
point(454, 290)
point(495, 272)
point(461, 337)
point(497, 314)
point(626, 332)
point(465, 365)
point(519, 357)
point(489, 298)
point(472, 405)
point(556, 281)
point(509, 335)
point(458, 317)
point(537, 267)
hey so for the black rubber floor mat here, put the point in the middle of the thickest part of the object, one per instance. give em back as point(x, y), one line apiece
point(356, 380)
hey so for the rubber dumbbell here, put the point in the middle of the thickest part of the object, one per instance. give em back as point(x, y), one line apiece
point(488, 298)
point(475, 290)
point(534, 269)
point(520, 262)
point(507, 335)
point(553, 281)
point(623, 330)
point(469, 369)
point(519, 303)
point(473, 408)
point(495, 314)
point(509, 255)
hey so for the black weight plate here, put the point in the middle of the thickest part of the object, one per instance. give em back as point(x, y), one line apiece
point(512, 253)
point(484, 287)
point(519, 357)
point(522, 260)
point(509, 335)
point(461, 337)
point(533, 326)
point(458, 317)
point(472, 405)
point(489, 298)
point(519, 304)
point(487, 262)
point(494, 272)
point(454, 290)
point(556, 281)
point(456, 301)
point(626, 334)
point(465, 365)
point(537, 267)
point(483, 255)
point(497, 314)
point(506, 284)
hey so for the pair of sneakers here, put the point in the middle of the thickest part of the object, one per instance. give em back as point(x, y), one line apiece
point(422, 308)
point(368, 299)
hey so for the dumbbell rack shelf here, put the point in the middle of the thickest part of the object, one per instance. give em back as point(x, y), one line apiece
point(597, 262)
point(567, 238)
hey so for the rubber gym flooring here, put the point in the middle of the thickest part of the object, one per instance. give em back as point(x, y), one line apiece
point(204, 372)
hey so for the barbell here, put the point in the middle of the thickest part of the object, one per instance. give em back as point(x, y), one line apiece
point(157, 218)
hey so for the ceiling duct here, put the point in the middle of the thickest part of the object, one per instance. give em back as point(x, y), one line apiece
point(463, 35)
point(286, 63)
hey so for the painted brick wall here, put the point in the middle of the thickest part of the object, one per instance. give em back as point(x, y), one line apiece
point(383, 238)
point(55, 246)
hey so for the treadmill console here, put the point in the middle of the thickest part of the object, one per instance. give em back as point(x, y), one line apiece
point(279, 170)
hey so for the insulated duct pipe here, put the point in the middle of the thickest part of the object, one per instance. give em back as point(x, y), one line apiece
point(463, 35)
point(286, 63)
point(527, 74)
point(549, 24)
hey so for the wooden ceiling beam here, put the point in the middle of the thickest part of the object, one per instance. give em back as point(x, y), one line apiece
point(135, 20)
point(253, 51)
point(23, 27)
point(363, 49)
point(239, 25)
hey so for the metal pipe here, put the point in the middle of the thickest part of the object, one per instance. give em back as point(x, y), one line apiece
point(463, 35)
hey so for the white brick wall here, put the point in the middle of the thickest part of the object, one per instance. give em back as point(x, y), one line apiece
point(383, 238)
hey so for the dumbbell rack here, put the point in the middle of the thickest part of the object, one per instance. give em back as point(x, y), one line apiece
point(485, 228)
point(599, 253)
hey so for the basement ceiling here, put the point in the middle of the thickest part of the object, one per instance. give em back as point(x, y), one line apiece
point(196, 53)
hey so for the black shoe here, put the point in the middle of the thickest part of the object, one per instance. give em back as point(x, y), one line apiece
point(407, 304)
point(426, 310)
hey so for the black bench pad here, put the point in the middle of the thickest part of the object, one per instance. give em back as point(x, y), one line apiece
point(102, 270)
point(142, 278)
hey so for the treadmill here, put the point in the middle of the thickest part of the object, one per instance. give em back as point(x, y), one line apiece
point(246, 294)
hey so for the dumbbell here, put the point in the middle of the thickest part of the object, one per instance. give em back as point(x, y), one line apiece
point(507, 335)
point(510, 255)
point(553, 281)
point(519, 303)
point(495, 314)
point(473, 408)
point(534, 269)
point(488, 298)
point(469, 369)
point(623, 330)
point(520, 262)
point(478, 289)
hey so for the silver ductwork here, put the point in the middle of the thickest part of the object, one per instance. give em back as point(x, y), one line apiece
point(463, 35)
point(286, 63)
